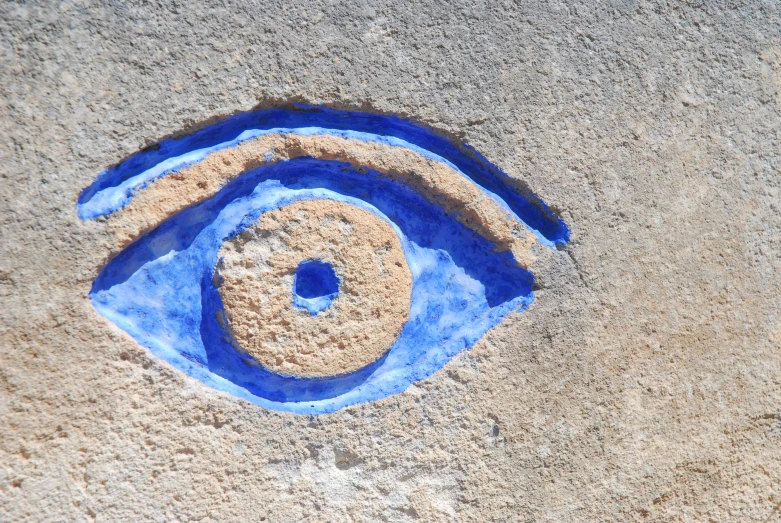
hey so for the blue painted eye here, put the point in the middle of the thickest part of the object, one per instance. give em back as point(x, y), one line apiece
point(307, 259)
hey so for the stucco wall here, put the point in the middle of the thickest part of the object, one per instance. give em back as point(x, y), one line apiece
point(643, 383)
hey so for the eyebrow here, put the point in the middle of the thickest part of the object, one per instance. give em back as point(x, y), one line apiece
point(116, 187)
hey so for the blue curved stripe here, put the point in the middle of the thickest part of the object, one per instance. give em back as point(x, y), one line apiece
point(529, 208)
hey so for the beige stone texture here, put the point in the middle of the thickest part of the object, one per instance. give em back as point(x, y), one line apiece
point(358, 328)
point(643, 385)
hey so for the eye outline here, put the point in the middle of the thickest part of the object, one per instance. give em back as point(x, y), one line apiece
point(347, 380)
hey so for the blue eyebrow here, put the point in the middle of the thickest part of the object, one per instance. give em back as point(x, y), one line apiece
point(425, 223)
point(525, 204)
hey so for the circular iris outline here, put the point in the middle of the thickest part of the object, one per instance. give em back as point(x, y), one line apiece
point(224, 351)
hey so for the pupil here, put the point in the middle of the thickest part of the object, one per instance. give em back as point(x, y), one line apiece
point(314, 278)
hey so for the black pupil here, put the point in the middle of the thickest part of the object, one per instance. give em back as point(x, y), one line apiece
point(314, 279)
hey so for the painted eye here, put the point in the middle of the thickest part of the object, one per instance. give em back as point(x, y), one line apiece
point(306, 259)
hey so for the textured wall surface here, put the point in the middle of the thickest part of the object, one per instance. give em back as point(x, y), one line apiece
point(643, 384)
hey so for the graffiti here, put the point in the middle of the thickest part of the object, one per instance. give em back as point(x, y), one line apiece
point(306, 259)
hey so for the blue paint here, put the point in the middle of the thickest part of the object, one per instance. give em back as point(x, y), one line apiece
point(161, 289)
point(115, 187)
point(234, 371)
point(315, 286)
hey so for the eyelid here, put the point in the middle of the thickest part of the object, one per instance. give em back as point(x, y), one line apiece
point(435, 179)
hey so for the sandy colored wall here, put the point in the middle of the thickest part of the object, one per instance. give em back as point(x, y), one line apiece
point(643, 384)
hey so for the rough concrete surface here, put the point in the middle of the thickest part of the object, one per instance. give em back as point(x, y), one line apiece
point(643, 384)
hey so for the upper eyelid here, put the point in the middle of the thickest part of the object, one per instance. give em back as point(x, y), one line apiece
point(438, 180)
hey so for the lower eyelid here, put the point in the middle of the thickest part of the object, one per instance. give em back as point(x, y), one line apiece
point(435, 180)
